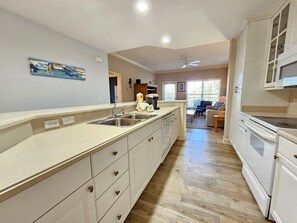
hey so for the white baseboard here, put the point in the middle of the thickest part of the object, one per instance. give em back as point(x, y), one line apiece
point(226, 141)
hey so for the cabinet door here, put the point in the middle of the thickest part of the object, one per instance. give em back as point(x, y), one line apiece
point(139, 169)
point(238, 79)
point(174, 133)
point(284, 197)
point(79, 207)
point(155, 151)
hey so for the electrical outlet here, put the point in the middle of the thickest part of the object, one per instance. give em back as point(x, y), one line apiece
point(68, 120)
point(51, 124)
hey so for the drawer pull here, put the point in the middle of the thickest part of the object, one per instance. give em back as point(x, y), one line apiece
point(119, 216)
point(295, 156)
point(152, 138)
point(115, 153)
point(117, 192)
point(116, 173)
point(91, 189)
point(149, 139)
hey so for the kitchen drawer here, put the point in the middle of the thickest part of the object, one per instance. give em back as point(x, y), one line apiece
point(107, 177)
point(120, 210)
point(139, 135)
point(111, 195)
point(33, 202)
point(288, 149)
point(243, 117)
point(108, 155)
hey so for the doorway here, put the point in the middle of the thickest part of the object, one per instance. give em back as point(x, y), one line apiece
point(115, 87)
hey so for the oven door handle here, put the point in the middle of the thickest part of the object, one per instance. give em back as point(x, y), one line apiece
point(254, 128)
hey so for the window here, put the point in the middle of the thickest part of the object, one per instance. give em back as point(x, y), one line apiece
point(207, 90)
point(169, 91)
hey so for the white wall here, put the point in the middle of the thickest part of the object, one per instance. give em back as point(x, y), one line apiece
point(127, 71)
point(19, 90)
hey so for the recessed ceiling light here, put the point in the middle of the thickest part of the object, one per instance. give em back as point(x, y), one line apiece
point(166, 39)
point(142, 6)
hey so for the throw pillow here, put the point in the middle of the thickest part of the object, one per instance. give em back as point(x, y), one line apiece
point(218, 105)
point(222, 107)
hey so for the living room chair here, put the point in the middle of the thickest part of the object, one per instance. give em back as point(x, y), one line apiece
point(202, 107)
point(217, 109)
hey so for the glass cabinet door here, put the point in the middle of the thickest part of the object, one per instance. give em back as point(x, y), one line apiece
point(272, 51)
point(284, 19)
point(275, 26)
point(281, 44)
point(269, 76)
point(277, 44)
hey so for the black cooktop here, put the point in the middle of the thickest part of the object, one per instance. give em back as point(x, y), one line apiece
point(280, 122)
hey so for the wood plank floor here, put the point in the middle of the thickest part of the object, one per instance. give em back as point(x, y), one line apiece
point(199, 181)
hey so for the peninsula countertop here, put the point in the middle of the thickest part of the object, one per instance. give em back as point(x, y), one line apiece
point(44, 154)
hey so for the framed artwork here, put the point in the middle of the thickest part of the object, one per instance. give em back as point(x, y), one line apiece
point(181, 86)
point(52, 69)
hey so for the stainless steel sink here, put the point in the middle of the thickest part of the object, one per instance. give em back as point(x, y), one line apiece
point(117, 122)
point(138, 116)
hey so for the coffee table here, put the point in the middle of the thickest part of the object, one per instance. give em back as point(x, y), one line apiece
point(216, 119)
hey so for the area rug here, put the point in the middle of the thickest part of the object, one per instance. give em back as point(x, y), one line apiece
point(198, 123)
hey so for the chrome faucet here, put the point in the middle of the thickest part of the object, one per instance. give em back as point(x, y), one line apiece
point(114, 111)
point(123, 110)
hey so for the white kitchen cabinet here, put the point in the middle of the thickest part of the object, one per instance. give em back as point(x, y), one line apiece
point(155, 151)
point(139, 165)
point(144, 160)
point(238, 78)
point(292, 28)
point(284, 197)
point(30, 204)
point(279, 39)
point(175, 127)
point(242, 137)
point(79, 207)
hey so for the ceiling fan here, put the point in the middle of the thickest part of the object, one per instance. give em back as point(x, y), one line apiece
point(188, 63)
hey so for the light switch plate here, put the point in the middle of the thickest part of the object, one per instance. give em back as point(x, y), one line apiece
point(68, 120)
point(51, 124)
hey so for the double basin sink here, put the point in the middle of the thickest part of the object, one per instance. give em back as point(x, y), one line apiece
point(124, 120)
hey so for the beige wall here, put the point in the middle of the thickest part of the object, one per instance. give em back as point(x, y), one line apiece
point(127, 71)
point(184, 76)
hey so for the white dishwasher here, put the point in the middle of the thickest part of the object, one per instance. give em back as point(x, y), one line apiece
point(166, 134)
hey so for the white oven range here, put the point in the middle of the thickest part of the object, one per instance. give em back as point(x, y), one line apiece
point(261, 142)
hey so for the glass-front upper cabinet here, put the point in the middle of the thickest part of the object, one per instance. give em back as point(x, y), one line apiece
point(277, 43)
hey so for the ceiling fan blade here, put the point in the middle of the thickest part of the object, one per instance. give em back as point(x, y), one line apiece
point(195, 61)
point(184, 66)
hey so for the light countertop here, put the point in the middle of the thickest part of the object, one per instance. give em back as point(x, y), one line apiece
point(290, 134)
point(49, 150)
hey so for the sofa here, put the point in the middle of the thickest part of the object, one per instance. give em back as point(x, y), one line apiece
point(217, 109)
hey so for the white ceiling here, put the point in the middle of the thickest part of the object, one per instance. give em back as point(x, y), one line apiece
point(113, 25)
point(199, 29)
point(160, 59)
